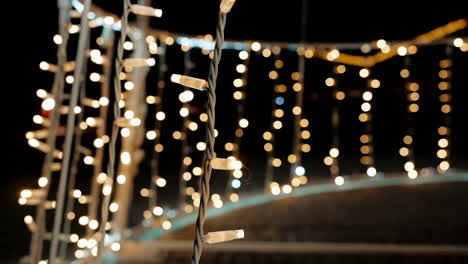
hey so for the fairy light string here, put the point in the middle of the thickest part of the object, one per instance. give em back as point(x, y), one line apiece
point(445, 96)
point(412, 99)
point(275, 124)
point(234, 182)
point(83, 42)
point(54, 121)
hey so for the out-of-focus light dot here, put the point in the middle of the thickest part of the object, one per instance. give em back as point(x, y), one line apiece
point(186, 96)
point(305, 148)
point(304, 123)
point(218, 203)
point(273, 75)
point(236, 183)
point(98, 143)
point(125, 132)
point(201, 146)
point(300, 171)
point(237, 174)
point(158, 210)
point(58, 39)
point(83, 220)
point(381, 43)
point(121, 179)
point(276, 162)
point(256, 46)
point(104, 101)
point(442, 153)
point(371, 171)
point(443, 143)
point(364, 73)
point(240, 68)
point(234, 197)
point(404, 151)
point(151, 135)
point(187, 176)
point(268, 147)
point(444, 165)
point(402, 51)
point(42, 182)
point(115, 246)
point(286, 188)
point(48, 104)
point(197, 171)
point(458, 42)
point(243, 123)
point(161, 182)
point(128, 45)
point(160, 116)
point(295, 182)
point(329, 82)
point(334, 152)
point(203, 117)
point(243, 55)
point(88, 160)
point(279, 113)
point(166, 224)
point(404, 73)
point(413, 108)
point(375, 83)
point(333, 55)
point(277, 124)
point(366, 107)
point(69, 79)
point(93, 224)
point(266, 53)
point(114, 207)
point(367, 96)
point(339, 180)
point(340, 95)
point(128, 85)
point(125, 158)
point(267, 135)
point(95, 77)
point(184, 111)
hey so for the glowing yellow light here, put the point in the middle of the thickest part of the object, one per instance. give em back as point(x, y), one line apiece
point(243, 55)
point(276, 162)
point(412, 174)
point(69, 79)
point(365, 149)
point(443, 143)
point(364, 73)
point(297, 87)
point(166, 225)
point(151, 134)
point(243, 123)
point(238, 95)
point(101, 178)
point(305, 148)
point(159, 148)
point(228, 146)
point(444, 165)
point(48, 104)
point(458, 42)
point(409, 165)
point(93, 224)
point(88, 160)
point(128, 85)
point(234, 197)
point(442, 131)
point(42, 182)
point(106, 189)
point(404, 73)
point(240, 68)
point(83, 220)
point(446, 108)
point(266, 53)
point(121, 179)
point(339, 180)
point(295, 181)
point(203, 117)
point(273, 75)
point(366, 107)
point(256, 46)
point(333, 55)
point(375, 83)
point(160, 116)
point(309, 53)
point(442, 153)
point(304, 123)
point(367, 96)
point(197, 171)
point(237, 174)
point(443, 74)
point(95, 77)
point(330, 82)
point(414, 96)
point(158, 211)
point(115, 246)
point(277, 124)
point(413, 108)
point(443, 86)
point(125, 132)
point(144, 192)
point(444, 98)
point(402, 51)
point(125, 158)
point(334, 152)
point(267, 135)
point(268, 147)
point(413, 87)
point(408, 139)
point(340, 95)
point(371, 172)
point(297, 110)
point(279, 113)
point(286, 188)
point(275, 189)
point(305, 134)
point(292, 158)
point(381, 43)
point(114, 207)
point(201, 146)
point(404, 151)
point(412, 49)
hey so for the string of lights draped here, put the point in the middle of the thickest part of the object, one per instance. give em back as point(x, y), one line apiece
point(52, 104)
point(234, 182)
point(412, 98)
point(445, 95)
point(332, 160)
point(155, 135)
point(366, 117)
point(275, 124)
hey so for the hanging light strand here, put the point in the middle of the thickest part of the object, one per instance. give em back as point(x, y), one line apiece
point(235, 176)
point(54, 121)
point(412, 98)
point(210, 132)
point(445, 95)
point(367, 140)
point(275, 123)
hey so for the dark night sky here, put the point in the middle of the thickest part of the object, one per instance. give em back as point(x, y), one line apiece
point(27, 40)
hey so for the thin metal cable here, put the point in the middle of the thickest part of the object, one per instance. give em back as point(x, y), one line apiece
point(57, 92)
point(78, 77)
point(115, 129)
point(153, 195)
point(210, 138)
